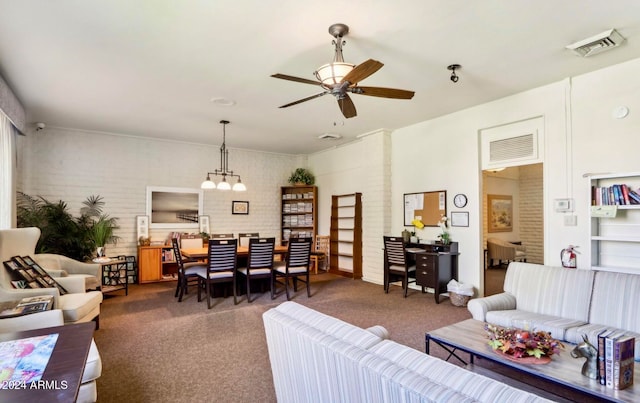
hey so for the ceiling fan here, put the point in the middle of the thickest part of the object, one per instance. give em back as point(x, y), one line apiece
point(339, 78)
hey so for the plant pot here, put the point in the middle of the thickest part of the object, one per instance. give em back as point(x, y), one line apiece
point(100, 251)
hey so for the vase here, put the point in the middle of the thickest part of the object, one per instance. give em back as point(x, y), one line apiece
point(524, 360)
point(100, 251)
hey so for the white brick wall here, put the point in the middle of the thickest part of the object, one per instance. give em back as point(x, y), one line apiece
point(70, 165)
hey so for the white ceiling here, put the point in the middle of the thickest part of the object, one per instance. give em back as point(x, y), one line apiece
point(151, 67)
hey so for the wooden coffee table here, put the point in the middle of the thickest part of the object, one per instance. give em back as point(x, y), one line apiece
point(562, 374)
point(63, 373)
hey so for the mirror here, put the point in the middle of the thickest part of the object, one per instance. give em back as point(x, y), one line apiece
point(427, 207)
point(169, 207)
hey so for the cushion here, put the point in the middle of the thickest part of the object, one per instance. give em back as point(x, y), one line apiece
point(78, 305)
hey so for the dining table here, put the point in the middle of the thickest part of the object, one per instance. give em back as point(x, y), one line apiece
point(243, 251)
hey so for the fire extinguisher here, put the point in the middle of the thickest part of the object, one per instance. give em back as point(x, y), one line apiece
point(568, 257)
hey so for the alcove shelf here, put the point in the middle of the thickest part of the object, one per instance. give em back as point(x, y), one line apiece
point(346, 235)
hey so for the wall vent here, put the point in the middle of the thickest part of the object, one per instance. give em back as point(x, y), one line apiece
point(597, 44)
point(511, 148)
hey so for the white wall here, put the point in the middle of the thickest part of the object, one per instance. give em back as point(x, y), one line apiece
point(443, 153)
point(70, 165)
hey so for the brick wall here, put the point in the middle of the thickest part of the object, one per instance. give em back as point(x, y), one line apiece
point(532, 212)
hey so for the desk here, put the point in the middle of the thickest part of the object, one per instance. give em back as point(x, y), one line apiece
point(243, 251)
point(64, 370)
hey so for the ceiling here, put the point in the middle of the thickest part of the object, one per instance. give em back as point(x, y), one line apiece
point(152, 67)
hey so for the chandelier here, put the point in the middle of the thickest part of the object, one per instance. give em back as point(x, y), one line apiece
point(224, 170)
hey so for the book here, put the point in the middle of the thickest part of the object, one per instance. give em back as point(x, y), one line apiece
point(624, 349)
point(26, 306)
point(602, 336)
point(609, 350)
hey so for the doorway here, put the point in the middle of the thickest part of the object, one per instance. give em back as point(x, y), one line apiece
point(520, 191)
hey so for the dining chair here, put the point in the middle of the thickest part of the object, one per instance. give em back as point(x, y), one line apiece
point(187, 272)
point(243, 237)
point(396, 265)
point(295, 267)
point(221, 268)
point(259, 261)
point(320, 252)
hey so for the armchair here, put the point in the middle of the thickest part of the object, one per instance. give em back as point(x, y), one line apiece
point(501, 250)
point(77, 305)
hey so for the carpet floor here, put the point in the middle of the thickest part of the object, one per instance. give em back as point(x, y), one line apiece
point(155, 349)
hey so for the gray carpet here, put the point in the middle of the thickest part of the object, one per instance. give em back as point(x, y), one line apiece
point(155, 349)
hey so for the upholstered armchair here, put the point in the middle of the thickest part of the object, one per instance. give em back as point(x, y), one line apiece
point(77, 305)
point(93, 367)
point(505, 251)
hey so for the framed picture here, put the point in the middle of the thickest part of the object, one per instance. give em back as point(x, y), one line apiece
point(169, 207)
point(240, 207)
point(204, 223)
point(19, 261)
point(142, 225)
point(10, 264)
point(500, 213)
point(459, 218)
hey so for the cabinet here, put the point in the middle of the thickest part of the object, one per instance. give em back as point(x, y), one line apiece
point(299, 212)
point(436, 267)
point(615, 222)
point(345, 244)
point(156, 263)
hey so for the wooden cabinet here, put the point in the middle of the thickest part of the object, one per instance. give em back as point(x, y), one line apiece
point(436, 267)
point(345, 250)
point(299, 212)
point(156, 263)
point(615, 222)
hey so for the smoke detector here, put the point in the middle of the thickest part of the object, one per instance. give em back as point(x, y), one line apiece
point(329, 136)
point(596, 44)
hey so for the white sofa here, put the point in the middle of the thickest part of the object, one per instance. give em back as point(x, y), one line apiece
point(569, 303)
point(317, 358)
point(93, 368)
point(77, 305)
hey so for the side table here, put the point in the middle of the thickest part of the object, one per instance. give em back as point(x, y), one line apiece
point(114, 275)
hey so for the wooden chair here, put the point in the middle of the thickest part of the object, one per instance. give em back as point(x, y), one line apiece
point(243, 237)
point(221, 268)
point(320, 252)
point(259, 261)
point(396, 265)
point(186, 271)
point(221, 236)
point(295, 267)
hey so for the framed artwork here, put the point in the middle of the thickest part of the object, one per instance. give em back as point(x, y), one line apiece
point(169, 207)
point(500, 213)
point(204, 223)
point(459, 218)
point(142, 225)
point(240, 207)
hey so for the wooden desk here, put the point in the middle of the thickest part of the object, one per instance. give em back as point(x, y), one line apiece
point(243, 251)
point(61, 379)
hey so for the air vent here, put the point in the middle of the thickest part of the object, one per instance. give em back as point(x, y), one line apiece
point(329, 136)
point(511, 148)
point(597, 43)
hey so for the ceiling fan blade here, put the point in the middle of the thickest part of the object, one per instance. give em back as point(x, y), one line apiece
point(362, 71)
point(296, 79)
point(347, 107)
point(304, 99)
point(382, 92)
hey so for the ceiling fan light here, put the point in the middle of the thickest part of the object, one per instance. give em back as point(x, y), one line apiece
point(224, 185)
point(333, 73)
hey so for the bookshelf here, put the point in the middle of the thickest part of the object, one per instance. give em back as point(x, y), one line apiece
point(345, 245)
point(299, 211)
point(615, 223)
point(156, 263)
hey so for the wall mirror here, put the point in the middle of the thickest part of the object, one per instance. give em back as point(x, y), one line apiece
point(169, 207)
point(427, 207)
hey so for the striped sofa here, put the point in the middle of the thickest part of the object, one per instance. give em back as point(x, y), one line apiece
point(569, 303)
point(318, 358)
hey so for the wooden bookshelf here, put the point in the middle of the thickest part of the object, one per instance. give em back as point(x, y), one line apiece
point(346, 235)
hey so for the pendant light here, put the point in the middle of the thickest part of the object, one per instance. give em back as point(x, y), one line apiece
point(224, 170)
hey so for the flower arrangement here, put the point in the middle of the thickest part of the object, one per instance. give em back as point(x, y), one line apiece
point(444, 237)
point(418, 224)
point(519, 343)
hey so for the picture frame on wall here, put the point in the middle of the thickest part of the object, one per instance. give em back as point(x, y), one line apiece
point(459, 218)
point(500, 213)
point(204, 223)
point(142, 225)
point(240, 207)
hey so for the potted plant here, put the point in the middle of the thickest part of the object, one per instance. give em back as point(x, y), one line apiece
point(302, 176)
point(102, 233)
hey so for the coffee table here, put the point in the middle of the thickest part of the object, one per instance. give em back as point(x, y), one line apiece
point(63, 373)
point(562, 374)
